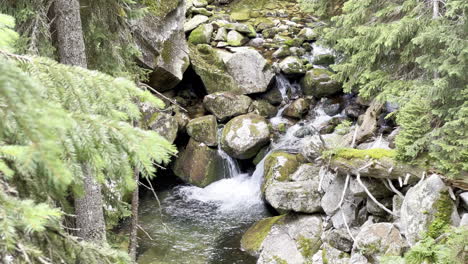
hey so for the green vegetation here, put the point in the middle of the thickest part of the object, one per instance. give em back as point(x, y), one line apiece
point(349, 153)
point(343, 128)
point(55, 118)
point(447, 249)
point(414, 54)
point(442, 220)
point(254, 236)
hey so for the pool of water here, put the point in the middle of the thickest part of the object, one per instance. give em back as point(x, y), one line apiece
point(199, 225)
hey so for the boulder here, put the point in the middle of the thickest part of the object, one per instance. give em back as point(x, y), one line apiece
point(160, 37)
point(199, 164)
point(225, 105)
point(379, 239)
point(299, 194)
point(250, 71)
point(339, 239)
point(324, 59)
point(317, 83)
point(292, 65)
point(194, 22)
point(307, 34)
point(297, 109)
point(329, 254)
point(464, 200)
point(165, 124)
point(278, 167)
point(236, 39)
point(201, 35)
point(253, 238)
point(221, 34)
point(245, 135)
point(427, 207)
point(263, 108)
point(243, 72)
point(295, 239)
point(204, 129)
point(373, 209)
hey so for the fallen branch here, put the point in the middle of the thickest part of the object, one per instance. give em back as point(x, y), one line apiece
point(144, 231)
point(346, 225)
point(162, 95)
point(358, 177)
point(343, 193)
point(394, 189)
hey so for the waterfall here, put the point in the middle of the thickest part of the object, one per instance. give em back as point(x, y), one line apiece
point(238, 191)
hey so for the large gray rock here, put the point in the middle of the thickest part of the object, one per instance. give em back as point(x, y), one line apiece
point(250, 70)
point(245, 135)
point(225, 105)
point(427, 203)
point(263, 107)
point(317, 82)
point(464, 200)
point(375, 187)
point(339, 239)
point(201, 35)
point(166, 126)
point(199, 164)
point(236, 39)
point(292, 65)
point(294, 240)
point(379, 239)
point(160, 37)
point(204, 129)
point(242, 72)
point(194, 22)
point(300, 194)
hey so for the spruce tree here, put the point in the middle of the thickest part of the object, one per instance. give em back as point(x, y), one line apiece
point(54, 119)
point(413, 53)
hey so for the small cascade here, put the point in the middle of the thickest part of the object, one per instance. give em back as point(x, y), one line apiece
point(231, 166)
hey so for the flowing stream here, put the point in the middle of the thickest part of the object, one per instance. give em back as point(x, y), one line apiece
point(205, 225)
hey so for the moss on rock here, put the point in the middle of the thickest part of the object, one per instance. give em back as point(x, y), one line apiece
point(253, 238)
point(279, 166)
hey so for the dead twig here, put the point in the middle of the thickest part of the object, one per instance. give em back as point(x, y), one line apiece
point(143, 85)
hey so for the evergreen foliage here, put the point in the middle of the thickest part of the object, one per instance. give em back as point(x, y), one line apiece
point(54, 119)
point(399, 51)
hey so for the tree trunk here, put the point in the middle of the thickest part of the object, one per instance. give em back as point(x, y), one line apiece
point(89, 208)
point(132, 248)
point(71, 45)
point(435, 9)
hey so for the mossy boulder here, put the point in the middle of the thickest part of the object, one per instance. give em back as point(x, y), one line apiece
point(165, 124)
point(264, 108)
point(225, 105)
point(194, 22)
point(245, 135)
point(318, 83)
point(253, 238)
point(382, 163)
point(427, 208)
point(307, 34)
point(243, 72)
point(298, 194)
point(294, 239)
point(292, 65)
point(204, 129)
point(236, 39)
point(201, 35)
point(297, 109)
point(241, 15)
point(199, 164)
point(278, 167)
point(160, 38)
point(324, 59)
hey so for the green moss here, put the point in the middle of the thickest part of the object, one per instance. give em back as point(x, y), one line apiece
point(349, 153)
point(306, 246)
point(442, 218)
point(253, 238)
point(276, 169)
point(161, 8)
point(279, 260)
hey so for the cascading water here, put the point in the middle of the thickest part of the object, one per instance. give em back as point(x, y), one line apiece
point(205, 224)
